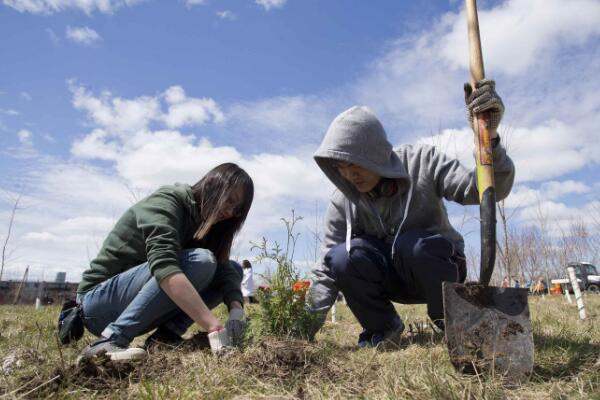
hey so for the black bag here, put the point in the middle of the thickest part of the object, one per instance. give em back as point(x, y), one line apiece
point(70, 322)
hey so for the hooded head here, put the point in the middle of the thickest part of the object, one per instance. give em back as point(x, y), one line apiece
point(357, 137)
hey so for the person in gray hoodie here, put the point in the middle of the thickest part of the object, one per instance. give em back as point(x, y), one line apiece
point(387, 236)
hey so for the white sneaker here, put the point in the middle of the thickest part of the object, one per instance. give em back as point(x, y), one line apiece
point(114, 351)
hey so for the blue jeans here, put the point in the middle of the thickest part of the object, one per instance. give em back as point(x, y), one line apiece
point(132, 303)
point(370, 280)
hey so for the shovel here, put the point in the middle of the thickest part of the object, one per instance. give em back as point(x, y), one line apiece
point(488, 329)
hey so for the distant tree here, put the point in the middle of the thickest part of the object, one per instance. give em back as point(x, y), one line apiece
point(5, 244)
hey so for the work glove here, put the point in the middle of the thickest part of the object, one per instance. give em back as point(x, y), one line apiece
point(316, 323)
point(483, 98)
point(235, 326)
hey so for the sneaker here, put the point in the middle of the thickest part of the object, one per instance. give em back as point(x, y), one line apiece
point(390, 338)
point(365, 338)
point(440, 324)
point(163, 338)
point(113, 351)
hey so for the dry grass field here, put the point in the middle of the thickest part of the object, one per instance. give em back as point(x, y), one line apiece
point(567, 364)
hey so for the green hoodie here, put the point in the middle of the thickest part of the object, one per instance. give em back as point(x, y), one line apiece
point(155, 230)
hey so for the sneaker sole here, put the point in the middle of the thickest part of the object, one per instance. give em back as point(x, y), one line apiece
point(132, 354)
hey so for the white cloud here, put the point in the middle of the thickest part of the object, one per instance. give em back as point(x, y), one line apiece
point(416, 86)
point(96, 146)
point(41, 236)
point(25, 96)
point(25, 136)
point(174, 95)
point(146, 158)
point(227, 15)
point(555, 189)
point(293, 121)
point(270, 4)
point(184, 111)
point(75, 204)
point(82, 35)
point(558, 217)
point(538, 28)
point(524, 196)
point(9, 111)
point(114, 113)
point(67, 211)
point(122, 116)
point(192, 3)
point(26, 149)
point(545, 152)
point(54, 6)
point(48, 137)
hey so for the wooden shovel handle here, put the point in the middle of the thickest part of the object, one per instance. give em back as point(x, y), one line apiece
point(485, 166)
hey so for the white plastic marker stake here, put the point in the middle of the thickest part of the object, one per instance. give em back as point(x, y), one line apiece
point(565, 288)
point(333, 313)
point(563, 282)
point(577, 291)
point(38, 303)
point(218, 340)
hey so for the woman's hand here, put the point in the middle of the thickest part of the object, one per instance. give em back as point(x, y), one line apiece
point(182, 292)
point(215, 326)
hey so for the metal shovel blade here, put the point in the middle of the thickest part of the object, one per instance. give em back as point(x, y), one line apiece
point(488, 330)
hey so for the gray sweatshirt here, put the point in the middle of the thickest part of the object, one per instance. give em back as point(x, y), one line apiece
point(425, 177)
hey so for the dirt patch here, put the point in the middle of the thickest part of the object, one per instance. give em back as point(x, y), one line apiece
point(282, 359)
point(98, 374)
point(20, 358)
point(472, 359)
point(512, 328)
point(479, 295)
point(197, 342)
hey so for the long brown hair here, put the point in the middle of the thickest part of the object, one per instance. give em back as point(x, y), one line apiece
point(211, 194)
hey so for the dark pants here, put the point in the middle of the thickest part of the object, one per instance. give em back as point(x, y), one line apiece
point(370, 280)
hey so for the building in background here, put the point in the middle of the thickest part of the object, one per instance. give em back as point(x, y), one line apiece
point(48, 292)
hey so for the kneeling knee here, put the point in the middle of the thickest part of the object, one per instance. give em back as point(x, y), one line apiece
point(336, 260)
point(364, 261)
point(198, 264)
point(434, 246)
point(198, 255)
point(422, 246)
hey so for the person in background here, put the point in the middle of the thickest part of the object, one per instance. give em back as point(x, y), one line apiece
point(248, 287)
point(505, 282)
point(165, 265)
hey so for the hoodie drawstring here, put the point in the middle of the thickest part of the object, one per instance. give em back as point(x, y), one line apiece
point(348, 210)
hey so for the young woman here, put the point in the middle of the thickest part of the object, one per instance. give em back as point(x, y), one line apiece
point(387, 235)
point(166, 264)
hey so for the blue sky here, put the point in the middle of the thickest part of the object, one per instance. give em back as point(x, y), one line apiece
point(103, 101)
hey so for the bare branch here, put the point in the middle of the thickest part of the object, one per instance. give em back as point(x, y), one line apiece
point(11, 222)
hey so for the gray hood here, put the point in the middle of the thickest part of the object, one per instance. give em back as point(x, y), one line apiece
point(356, 136)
